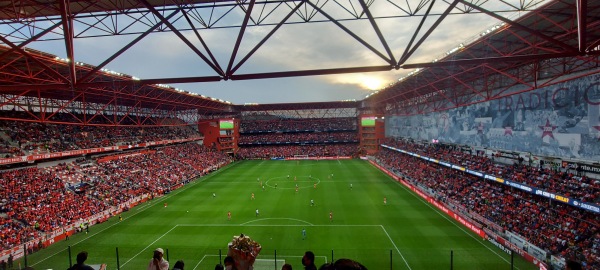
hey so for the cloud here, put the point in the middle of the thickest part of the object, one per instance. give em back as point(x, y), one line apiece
point(301, 46)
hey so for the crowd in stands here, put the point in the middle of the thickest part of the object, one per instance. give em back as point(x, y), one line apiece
point(566, 183)
point(323, 137)
point(298, 137)
point(37, 200)
point(558, 228)
point(294, 125)
point(25, 138)
point(13, 232)
point(286, 151)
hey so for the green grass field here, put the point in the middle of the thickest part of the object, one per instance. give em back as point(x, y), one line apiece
point(406, 233)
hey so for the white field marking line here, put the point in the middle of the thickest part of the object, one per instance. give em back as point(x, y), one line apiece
point(201, 262)
point(237, 225)
point(283, 256)
point(237, 182)
point(295, 181)
point(246, 224)
point(257, 220)
point(449, 220)
point(148, 246)
point(141, 209)
point(274, 225)
point(393, 243)
point(307, 165)
point(270, 258)
point(339, 162)
point(258, 258)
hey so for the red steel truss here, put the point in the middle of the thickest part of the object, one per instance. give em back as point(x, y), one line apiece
point(302, 110)
point(554, 42)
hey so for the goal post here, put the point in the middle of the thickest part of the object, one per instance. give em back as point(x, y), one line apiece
point(268, 264)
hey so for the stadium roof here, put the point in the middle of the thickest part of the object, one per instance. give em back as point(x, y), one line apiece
point(553, 43)
point(512, 53)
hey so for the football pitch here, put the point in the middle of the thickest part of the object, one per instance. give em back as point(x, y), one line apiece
point(404, 233)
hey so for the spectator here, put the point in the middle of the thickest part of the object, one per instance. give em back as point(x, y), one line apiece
point(178, 265)
point(347, 264)
point(229, 263)
point(308, 260)
point(158, 262)
point(80, 265)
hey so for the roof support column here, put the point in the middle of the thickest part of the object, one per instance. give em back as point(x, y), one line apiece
point(581, 24)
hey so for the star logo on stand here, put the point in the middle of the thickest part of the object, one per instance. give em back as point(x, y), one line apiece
point(598, 128)
point(548, 129)
point(508, 131)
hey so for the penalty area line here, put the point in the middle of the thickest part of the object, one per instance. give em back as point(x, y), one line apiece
point(396, 247)
point(149, 245)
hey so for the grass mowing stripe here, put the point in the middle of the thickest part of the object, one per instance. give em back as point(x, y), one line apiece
point(148, 246)
point(396, 247)
point(418, 234)
point(140, 209)
point(448, 219)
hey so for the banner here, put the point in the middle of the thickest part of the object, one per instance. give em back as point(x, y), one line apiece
point(516, 249)
point(517, 240)
point(580, 167)
point(560, 120)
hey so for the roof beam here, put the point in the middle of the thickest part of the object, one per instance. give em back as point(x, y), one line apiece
point(283, 74)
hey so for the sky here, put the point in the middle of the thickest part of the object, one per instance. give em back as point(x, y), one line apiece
point(299, 46)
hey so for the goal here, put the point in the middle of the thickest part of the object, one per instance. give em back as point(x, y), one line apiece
point(268, 264)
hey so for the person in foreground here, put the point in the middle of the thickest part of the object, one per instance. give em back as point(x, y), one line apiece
point(178, 265)
point(229, 263)
point(343, 264)
point(308, 260)
point(81, 257)
point(158, 262)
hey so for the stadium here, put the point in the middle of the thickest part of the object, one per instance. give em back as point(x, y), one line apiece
point(479, 154)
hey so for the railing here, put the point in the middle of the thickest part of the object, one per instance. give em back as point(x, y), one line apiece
point(273, 259)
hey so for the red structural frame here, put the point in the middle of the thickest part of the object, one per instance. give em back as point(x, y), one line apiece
point(552, 43)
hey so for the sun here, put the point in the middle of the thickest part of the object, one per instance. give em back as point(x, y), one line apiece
point(372, 83)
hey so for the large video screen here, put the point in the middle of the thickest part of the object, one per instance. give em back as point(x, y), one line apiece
point(226, 124)
point(367, 121)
